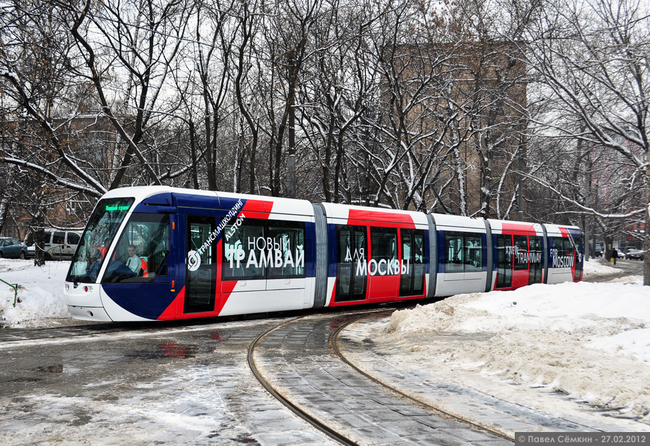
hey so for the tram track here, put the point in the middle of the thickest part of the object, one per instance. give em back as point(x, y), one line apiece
point(286, 401)
point(398, 407)
point(335, 346)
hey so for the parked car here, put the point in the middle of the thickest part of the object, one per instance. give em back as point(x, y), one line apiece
point(12, 248)
point(58, 244)
point(635, 254)
point(61, 244)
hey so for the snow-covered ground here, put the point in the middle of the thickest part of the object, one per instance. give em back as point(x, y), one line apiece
point(40, 294)
point(587, 341)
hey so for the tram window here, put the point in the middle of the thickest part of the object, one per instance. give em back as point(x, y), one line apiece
point(463, 252)
point(474, 253)
point(563, 252)
point(578, 263)
point(384, 246)
point(568, 249)
point(244, 251)
point(535, 274)
point(199, 232)
point(100, 231)
point(141, 251)
point(345, 262)
point(535, 250)
point(564, 246)
point(578, 246)
point(413, 268)
point(288, 249)
point(521, 252)
point(418, 247)
point(454, 252)
point(418, 262)
point(258, 249)
point(561, 244)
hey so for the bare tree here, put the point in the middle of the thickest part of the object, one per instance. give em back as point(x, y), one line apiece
point(336, 91)
point(286, 35)
point(247, 65)
point(36, 58)
point(592, 59)
point(142, 37)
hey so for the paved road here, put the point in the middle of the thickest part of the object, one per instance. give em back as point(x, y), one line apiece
point(190, 384)
point(624, 267)
point(171, 385)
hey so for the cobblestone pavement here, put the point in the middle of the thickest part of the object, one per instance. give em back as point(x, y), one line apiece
point(297, 359)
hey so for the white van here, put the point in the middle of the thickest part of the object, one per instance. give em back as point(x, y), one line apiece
point(61, 243)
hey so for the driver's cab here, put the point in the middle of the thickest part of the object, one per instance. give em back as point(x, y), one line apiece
point(140, 252)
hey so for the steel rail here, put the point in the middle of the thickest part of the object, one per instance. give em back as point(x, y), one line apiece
point(285, 401)
point(334, 345)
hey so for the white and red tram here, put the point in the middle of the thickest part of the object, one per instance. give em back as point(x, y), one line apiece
point(162, 253)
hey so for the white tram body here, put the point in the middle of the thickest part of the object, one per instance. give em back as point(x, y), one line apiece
point(162, 253)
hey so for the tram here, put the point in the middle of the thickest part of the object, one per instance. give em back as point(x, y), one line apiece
point(162, 253)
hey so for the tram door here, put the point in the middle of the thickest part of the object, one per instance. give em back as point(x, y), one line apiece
point(383, 266)
point(201, 270)
point(536, 253)
point(579, 262)
point(520, 276)
point(504, 261)
point(351, 264)
point(412, 265)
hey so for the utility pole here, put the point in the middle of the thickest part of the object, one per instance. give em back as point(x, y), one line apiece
point(292, 149)
point(520, 195)
point(292, 124)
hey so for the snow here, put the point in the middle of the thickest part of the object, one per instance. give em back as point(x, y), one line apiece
point(40, 294)
point(587, 341)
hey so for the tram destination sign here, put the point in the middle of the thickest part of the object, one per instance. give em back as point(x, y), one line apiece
point(117, 207)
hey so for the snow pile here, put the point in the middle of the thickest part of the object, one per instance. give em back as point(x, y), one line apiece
point(40, 293)
point(589, 341)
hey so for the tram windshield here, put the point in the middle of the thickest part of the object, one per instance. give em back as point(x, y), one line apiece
point(141, 251)
point(97, 238)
